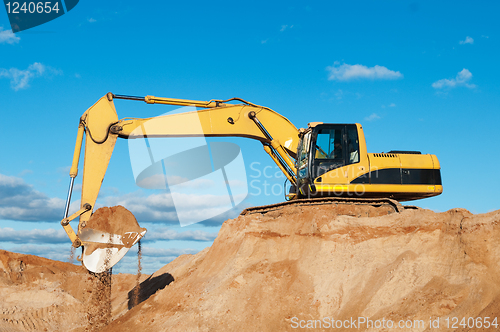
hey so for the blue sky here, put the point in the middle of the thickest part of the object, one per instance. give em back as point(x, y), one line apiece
point(418, 76)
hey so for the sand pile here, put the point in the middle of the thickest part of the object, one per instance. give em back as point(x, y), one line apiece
point(297, 266)
point(38, 294)
point(287, 269)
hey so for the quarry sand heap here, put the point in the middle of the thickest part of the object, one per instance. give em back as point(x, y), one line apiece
point(39, 294)
point(288, 268)
point(301, 266)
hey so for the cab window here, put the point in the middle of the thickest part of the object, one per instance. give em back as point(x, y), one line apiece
point(329, 144)
point(352, 145)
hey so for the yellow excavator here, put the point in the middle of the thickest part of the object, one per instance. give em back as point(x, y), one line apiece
point(323, 160)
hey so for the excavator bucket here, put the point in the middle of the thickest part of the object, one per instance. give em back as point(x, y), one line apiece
point(107, 236)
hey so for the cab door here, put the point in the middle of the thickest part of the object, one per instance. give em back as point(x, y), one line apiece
point(336, 153)
point(330, 154)
point(328, 149)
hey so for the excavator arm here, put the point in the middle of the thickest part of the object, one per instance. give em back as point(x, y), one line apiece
point(220, 119)
point(215, 118)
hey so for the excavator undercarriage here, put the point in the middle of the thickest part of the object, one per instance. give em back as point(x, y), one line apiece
point(392, 206)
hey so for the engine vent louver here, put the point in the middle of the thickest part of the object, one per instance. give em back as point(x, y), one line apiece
point(404, 152)
point(385, 155)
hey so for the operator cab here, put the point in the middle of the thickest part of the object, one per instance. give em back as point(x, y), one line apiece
point(325, 147)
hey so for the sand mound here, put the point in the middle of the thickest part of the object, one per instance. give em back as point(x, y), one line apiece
point(38, 294)
point(297, 266)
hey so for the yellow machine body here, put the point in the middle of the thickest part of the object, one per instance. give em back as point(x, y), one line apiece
point(400, 175)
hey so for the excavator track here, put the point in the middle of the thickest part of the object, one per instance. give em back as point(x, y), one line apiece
point(377, 202)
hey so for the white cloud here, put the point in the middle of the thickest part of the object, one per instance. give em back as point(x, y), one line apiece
point(33, 236)
point(155, 252)
point(25, 171)
point(92, 20)
point(390, 105)
point(468, 40)
point(346, 72)
point(63, 170)
point(160, 207)
point(165, 234)
point(59, 236)
point(20, 201)
point(54, 252)
point(152, 208)
point(7, 36)
point(286, 26)
point(20, 79)
point(152, 259)
point(462, 79)
point(158, 181)
point(372, 117)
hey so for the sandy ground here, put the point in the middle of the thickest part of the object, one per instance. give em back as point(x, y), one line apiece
point(300, 268)
point(38, 294)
